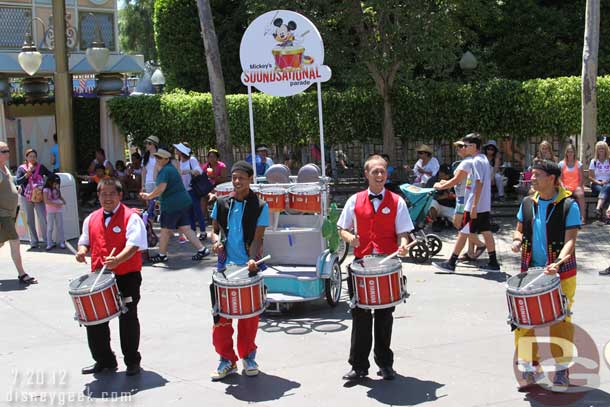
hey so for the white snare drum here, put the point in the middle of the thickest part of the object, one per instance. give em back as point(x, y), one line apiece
point(237, 295)
point(305, 198)
point(535, 299)
point(98, 305)
point(378, 285)
point(224, 189)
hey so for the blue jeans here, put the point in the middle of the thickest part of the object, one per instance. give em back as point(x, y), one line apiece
point(600, 190)
point(196, 213)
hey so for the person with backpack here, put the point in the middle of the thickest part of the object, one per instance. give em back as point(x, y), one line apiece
point(30, 177)
point(547, 226)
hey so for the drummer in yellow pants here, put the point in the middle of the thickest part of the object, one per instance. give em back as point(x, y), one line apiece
point(546, 231)
point(527, 349)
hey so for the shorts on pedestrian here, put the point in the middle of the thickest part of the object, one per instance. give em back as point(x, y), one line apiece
point(479, 225)
point(176, 219)
point(7, 229)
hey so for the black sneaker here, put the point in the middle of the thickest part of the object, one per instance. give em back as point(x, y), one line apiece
point(444, 266)
point(605, 272)
point(158, 259)
point(201, 254)
point(490, 267)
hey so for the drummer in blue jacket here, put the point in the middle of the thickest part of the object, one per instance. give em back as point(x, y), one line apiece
point(547, 226)
point(242, 218)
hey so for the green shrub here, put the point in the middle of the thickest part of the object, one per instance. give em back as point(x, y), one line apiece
point(423, 110)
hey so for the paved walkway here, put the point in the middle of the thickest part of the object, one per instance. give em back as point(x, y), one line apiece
point(451, 342)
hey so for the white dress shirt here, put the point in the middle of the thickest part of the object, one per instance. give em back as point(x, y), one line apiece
point(402, 222)
point(135, 233)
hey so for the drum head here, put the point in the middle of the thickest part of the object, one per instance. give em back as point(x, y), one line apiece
point(305, 189)
point(278, 174)
point(309, 173)
point(273, 190)
point(517, 283)
point(371, 265)
point(82, 285)
point(232, 276)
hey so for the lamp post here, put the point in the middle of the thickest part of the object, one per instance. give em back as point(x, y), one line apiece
point(30, 60)
point(158, 80)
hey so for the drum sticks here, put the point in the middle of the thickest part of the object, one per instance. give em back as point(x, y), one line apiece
point(267, 257)
point(102, 271)
point(558, 263)
point(396, 252)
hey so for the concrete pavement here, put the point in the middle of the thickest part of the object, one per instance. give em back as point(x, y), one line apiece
point(451, 342)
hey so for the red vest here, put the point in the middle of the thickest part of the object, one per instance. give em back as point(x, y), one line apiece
point(377, 230)
point(102, 239)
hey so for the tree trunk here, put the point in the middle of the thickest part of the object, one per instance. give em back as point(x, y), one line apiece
point(388, 126)
point(217, 82)
point(589, 82)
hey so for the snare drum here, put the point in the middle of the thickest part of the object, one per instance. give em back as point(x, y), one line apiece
point(97, 306)
point(535, 299)
point(378, 285)
point(224, 189)
point(275, 198)
point(305, 198)
point(237, 295)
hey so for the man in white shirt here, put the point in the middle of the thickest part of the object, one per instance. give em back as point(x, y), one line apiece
point(477, 206)
point(115, 227)
point(373, 221)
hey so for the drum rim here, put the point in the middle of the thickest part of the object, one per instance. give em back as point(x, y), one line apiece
point(102, 285)
point(238, 316)
point(236, 282)
point(529, 326)
point(379, 306)
point(303, 189)
point(273, 191)
point(398, 267)
point(226, 185)
point(556, 282)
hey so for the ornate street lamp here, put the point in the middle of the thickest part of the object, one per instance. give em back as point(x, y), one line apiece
point(469, 62)
point(97, 54)
point(30, 58)
point(158, 80)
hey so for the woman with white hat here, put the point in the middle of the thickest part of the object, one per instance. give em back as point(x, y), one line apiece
point(189, 167)
point(426, 166)
point(495, 160)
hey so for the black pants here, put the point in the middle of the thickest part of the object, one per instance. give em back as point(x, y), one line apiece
point(362, 334)
point(98, 336)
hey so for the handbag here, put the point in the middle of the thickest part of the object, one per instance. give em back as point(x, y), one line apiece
point(200, 184)
point(33, 189)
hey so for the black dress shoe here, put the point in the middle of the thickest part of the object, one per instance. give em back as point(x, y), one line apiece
point(97, 368)
point(133, 370)
point(387, 373)
point(355, 374)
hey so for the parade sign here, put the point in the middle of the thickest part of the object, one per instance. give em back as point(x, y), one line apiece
point(282, 54)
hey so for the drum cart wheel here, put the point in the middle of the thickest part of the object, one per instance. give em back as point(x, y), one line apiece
point(419, 252)
point(342, 251)
point(332, 285)
point(434, 243)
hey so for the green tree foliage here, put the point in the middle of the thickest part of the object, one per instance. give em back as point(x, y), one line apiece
point(180, 45)
point(429, 110)
point(136, 32)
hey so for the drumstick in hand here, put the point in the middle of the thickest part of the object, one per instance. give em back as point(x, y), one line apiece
point(391, 256)
point(267, 257)
point(101, 271)
point(72, 249)
point(558, 263)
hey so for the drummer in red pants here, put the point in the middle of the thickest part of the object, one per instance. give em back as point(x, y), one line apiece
point(547, 227)
point(373, 221)
point(240, 220)
point(115, 226)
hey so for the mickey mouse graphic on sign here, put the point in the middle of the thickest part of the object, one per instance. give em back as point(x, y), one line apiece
point(284, 32)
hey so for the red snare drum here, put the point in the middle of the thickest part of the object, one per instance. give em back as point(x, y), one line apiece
point(305, 198)
point(275, 198)
point(97, 306)
point(224, 189)
point(535, 299)
point(238, 295)
point(378, 285)
point(288, 58)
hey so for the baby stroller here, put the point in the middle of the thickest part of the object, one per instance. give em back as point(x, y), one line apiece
point(418, 201)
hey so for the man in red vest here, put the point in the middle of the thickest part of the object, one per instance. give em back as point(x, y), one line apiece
point(374, 221)
point(115, 226)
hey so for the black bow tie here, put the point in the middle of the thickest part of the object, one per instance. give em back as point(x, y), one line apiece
point(107, 215)
point(373, 196)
